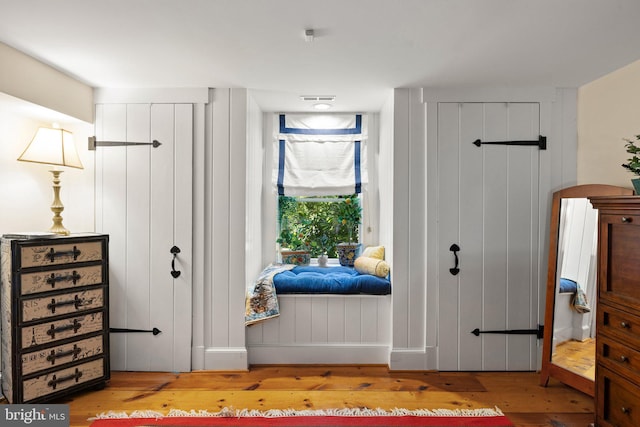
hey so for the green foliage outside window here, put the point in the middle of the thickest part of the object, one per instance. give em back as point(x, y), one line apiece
point(318, 226)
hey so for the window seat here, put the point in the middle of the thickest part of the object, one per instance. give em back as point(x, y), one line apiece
point(329, 280)
point(328, 323)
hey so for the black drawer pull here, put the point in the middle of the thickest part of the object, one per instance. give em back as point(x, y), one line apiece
point(625, 410)
point(75, 302)
point(75, 252)
point(53, 279)
point(55, 381)
point(624, 359)
point(53, 330)
point(53, 355)
point(624, 325)
point(627, 219)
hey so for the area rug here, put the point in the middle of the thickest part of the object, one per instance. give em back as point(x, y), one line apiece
point(321, 418)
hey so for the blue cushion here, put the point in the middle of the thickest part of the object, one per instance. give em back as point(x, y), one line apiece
point(329, 280)
point(568, 285)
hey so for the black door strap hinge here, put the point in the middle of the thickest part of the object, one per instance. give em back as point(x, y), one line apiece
point(539, 332)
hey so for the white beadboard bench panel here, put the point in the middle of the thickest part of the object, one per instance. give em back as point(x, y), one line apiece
point(324, 329)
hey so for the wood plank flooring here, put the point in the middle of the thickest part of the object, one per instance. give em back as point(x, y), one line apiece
point(517, 394)
point(577, 356)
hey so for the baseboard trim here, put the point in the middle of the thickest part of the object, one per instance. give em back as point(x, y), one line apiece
point(226, 359)
point(337, 354)
point(413, 359)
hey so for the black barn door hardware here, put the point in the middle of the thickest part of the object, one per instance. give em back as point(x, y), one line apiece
point(541, 142)
point(154, 331)
point(539, 332)
point(175, 251)
point(455, 249)
point(93, 143)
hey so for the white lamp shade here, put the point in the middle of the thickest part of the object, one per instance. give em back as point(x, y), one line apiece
point(53, 147)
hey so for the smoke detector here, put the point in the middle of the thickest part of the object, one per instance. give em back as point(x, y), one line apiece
point(308, 35)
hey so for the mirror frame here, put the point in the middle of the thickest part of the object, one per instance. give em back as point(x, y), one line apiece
point(548, 369)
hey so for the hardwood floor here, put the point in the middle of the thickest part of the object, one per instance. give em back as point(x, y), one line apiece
point(517, 394)
point(578, 356)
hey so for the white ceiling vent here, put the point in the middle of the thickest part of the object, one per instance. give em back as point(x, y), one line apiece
point(316, 98)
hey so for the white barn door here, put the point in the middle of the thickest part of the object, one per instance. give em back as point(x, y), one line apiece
point(488, 206)
point(144, 203)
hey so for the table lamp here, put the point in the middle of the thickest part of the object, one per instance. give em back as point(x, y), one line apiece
point(53, 146)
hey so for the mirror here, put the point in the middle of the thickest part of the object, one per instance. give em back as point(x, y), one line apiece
point(568, 350)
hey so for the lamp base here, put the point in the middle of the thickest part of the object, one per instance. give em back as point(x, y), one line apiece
point(57, 207)
point(59, 229)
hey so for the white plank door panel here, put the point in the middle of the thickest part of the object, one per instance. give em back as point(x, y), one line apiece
point(471, 234)
point(111, 185)
point(522, 232)
point(144, 202)
point(183, 234)
point(138, 202)
point(488, 202)
point(495, 217)
point(161, 224)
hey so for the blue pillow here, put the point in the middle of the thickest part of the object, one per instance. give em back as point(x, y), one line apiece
point(568, 285)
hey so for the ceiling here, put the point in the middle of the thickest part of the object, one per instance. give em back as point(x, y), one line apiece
point(362, 48)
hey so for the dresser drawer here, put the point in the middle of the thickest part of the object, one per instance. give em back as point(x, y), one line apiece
point(58, 253)
point(43, 281)
point(59, 355)
point(41, 386)
point(618, 324)
point(56, 305)
point(618, 400)
point(51, 332)
point(619, 357)
point(620, 274)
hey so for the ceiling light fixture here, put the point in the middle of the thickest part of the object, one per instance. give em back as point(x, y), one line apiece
point(322, 106)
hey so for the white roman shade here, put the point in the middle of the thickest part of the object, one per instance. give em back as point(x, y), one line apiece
point(320, 154)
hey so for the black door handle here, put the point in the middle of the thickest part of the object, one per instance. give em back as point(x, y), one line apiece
point(175, 251)
point(455, 248)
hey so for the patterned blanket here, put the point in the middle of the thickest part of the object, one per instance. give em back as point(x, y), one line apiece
point(261, 301)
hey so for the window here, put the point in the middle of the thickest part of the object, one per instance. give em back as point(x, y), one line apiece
point(318, 224)
point(319, 168)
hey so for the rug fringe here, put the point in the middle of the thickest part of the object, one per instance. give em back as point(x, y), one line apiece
point(274, 413)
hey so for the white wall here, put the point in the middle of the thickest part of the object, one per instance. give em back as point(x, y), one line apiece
point(383, 158)
point(219, 331)
point(255, 162)
point(28, 79)
point(608, 111)
point(27, 187)
point(269, 200)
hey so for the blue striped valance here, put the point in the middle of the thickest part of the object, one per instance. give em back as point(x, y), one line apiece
point(320, 154)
